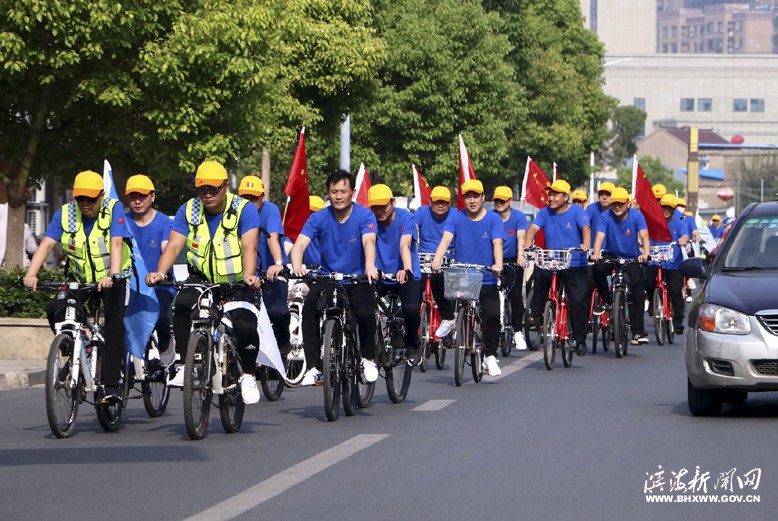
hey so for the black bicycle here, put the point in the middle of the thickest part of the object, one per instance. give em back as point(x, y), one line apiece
point(391, 346)
point(620, 301)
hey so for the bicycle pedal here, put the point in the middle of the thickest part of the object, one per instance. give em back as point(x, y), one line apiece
point(135, 396)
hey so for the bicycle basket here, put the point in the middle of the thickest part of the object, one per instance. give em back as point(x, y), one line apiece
point(662, 253)
point(462, 283)
point(425, 262)
point(553, 259)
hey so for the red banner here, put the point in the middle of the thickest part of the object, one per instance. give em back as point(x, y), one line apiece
point(655, 218)
point(297, 205)
point(466, 171)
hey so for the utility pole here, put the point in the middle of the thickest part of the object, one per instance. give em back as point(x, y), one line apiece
point(693, 171)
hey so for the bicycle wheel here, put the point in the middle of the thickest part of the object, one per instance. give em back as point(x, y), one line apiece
point(271, 381)
point(595, 325)
point(669, 331)
point(440, 354)
point(549, 335)
point(567, 346)
point(506, 334)
point(398, 378)
point(156, 393)
point(62, 398)
point(658, 317)
point(294, 361)
point(532, 335)
point(231, 406)
point(331, 352)
point(460, 346)
point(198, 393)
point(367, 389)
point(110, 415)
point(476, 348)
point(350, 375)
point(424, 336)
point(619, 324)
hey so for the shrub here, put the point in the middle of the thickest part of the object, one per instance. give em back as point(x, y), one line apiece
point(18, 301)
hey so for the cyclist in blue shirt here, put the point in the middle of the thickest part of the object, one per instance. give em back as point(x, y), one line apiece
point(688, 217)
point(431, 221)
point(680, 234)
point(478, 236)
point(564, 226)
point(515, 227)
point(627, 234)
point(270, 259)
point(716, 230)
point(151, 230)
point(397, 254)
point(346, 233)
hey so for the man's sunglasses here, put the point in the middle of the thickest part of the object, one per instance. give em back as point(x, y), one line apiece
point(209, 190)
point(86, 199)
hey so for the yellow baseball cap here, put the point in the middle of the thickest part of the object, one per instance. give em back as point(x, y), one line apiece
point(210, 173)
point(561, 186)
point(139, 184)
point(379, 195)
point(715, 217)
point(472, 185)
point(681, 201)
point(659, 190)
point(669, 200)
point(440, 193)
point(315, 202)
point(619, 195)
point(606, 187)
point(503, 193)
point(88, 183)
point(251, 185)
point(579, 195)
point(690, 214)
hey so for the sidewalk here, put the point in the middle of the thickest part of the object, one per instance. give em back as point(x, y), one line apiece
point(19, 374)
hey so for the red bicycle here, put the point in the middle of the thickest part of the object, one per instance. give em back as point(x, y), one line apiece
point(600, 324)
point(430, 319)
point(662, 308)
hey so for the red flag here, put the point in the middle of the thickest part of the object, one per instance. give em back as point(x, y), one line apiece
point(297, 208)
point(466, 171)
point(363, 185)
point(421, 190)
point(534, 188)
point(655, 218)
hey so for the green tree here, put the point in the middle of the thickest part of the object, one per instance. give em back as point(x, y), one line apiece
point(627, 123)
point(159, 87)
point(656, 172)
point(757, 180)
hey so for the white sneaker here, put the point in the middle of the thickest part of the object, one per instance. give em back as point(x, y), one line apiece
point(311, 377)
point(248, 389)
point(518, 340)
point(369, 370)
point(445, 327)
point(691, 284)
point(178, 379)
point(688, 299)
point(492, 366)
point(168, 358)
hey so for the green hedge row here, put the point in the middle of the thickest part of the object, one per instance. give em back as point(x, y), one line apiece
point(18, 301)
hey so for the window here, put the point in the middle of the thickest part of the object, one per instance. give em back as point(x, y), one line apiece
point(704, 104)
point(687, 104)
point(720, 27)
point(710, 27)
point(757, 104)
point(640, 104)
point(664, 32)
point(739, 105)
point(664, 48)
point(674, 48)
point(593, 16)
point(675, 31)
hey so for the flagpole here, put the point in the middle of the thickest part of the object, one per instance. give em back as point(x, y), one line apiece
point(634, 173)
point(524, 181)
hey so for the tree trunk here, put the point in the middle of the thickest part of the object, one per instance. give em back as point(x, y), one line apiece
point(14, 245)
point(266, 171)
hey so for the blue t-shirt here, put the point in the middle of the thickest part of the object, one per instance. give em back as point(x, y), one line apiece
point(593, 212)
point(118, 224)
point(340, 244)
point(430, 228)
point(270, 222)
point(717, 233)
point(678, 229)
point(563, 231)
point(473, 239)
point(248, 220)
point(388, 257)
point(690, 222)
point(150, 239)
point(623, 236)
point(516, 222)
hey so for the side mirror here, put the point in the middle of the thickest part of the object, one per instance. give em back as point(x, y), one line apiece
point(694, 268)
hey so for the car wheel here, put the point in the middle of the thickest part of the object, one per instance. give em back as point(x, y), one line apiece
point(703, 402)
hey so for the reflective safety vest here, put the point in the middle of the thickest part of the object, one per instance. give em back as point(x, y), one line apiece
point(89, 258)
point(218, 258)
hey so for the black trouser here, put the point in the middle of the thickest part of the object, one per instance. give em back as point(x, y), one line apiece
point(445, 306)
point(635, 276)
point(576, 282)
point(244, 325)
point(513, 279)
point(674, 282)
point(409, 294)
point(490, 318)
point(162, 328)
point(600, 272)
point(362, 300)
point(111, 354)
point(275, 297)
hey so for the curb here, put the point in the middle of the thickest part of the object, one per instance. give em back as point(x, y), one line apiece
point(21, 380)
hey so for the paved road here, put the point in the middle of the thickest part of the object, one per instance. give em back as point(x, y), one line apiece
point(570, 444)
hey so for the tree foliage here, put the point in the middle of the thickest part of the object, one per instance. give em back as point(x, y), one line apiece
point(627, 124)
point(757, 179)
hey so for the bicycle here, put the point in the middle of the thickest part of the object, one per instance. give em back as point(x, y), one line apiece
point(599, 323)
point(620, 298)
point(151, 376)
point(429, 319)
point(462, 283)
point(506, 314)
point(533, 334)
point(557, 332)
point(662, 309)
point(74, 361)
point(390, 334)
point(212, 364)
point(294, 361)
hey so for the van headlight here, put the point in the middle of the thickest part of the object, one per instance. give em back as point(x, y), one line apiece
point(718, 319)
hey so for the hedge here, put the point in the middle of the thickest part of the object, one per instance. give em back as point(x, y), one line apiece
point(18, 301)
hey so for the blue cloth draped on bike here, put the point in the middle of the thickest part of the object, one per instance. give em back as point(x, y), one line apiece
point(142, 311)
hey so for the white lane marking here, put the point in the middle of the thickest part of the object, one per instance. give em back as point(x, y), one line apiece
point(433, 405)
point(275, 485)
point(519, 364)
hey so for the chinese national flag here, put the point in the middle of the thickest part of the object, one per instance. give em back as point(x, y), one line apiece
point(421, 190)
point(534, 188)
point(298, 207)
point(363, 185)
point(466, 171)
point(655, 219)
